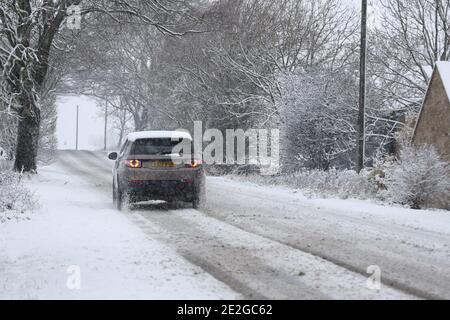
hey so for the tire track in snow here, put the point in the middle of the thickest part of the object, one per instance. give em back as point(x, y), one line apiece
point(408, 274)
point(69, 158)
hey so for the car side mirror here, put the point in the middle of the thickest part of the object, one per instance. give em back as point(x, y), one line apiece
point(113, 156)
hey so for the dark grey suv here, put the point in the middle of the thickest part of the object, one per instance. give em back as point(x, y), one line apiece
point(148, 168)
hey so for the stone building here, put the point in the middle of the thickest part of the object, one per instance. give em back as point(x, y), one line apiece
point(433, 124)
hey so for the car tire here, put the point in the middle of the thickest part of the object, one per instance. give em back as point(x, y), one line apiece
point(196, 203)
point(118, 198)
point(199, 198)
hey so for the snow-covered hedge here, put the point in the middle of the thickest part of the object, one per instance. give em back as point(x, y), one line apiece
point(419, 178)
point(333, 183)
point(16, 201)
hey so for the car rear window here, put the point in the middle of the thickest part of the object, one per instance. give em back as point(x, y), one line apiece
point(154, 146)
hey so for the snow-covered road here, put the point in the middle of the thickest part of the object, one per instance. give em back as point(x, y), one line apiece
point(78, 247)
point(273, 243)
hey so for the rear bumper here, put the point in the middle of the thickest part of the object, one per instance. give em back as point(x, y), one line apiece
point(168, 185)
point(177, 174)
point(174, 184)
point(162, 190)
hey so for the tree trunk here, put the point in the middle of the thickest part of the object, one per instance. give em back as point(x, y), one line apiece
point(119, 144)
point(27, 142)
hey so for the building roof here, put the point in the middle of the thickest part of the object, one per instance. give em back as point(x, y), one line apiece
point(443, 68)
point(444, 71)
point(158, 134)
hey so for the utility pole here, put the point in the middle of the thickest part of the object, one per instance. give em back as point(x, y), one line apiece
point(436, 36)
point(362, 89)
point(76, 138)
point(106, 124)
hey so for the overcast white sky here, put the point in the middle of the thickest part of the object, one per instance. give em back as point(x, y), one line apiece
point(91, 124)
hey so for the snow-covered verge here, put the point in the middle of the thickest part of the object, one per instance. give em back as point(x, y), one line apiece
point(343, 190)
point(77, 247)
point(318, 183)
point(17, 202)
point(419, 178)
point(370, 211)
point(410, 246)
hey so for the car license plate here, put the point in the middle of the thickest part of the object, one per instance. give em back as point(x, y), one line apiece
point(163, 164)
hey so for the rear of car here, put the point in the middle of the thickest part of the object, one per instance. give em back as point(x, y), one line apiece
point(158, 165)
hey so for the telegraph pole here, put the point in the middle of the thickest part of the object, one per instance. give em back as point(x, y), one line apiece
point(76, 138)
point(436, 37)
point(362, 89)
point(106, 124)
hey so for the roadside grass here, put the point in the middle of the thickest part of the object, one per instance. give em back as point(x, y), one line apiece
point(17, 202)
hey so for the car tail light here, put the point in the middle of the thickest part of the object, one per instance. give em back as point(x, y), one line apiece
point(194, 164)
point(133, 164)
point(136, 181)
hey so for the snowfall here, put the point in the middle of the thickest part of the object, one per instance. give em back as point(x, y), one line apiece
point(251, 241)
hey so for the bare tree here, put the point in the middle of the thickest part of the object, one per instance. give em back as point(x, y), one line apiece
point(413, 35)
point(233, 73)
point(410, 36)
point(30, 30)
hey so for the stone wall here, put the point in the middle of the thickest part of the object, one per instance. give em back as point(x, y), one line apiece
point(434, 122)
point(433, 126)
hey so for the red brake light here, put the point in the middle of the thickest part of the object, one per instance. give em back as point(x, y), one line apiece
point(195, 164)
point(136, 181)
point(133, 164)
